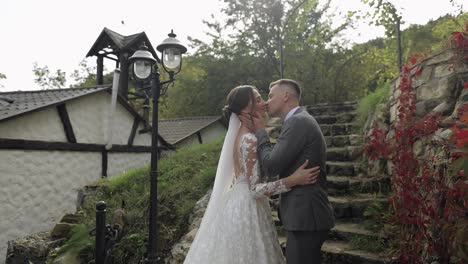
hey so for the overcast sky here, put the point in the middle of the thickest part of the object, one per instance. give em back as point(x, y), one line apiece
point(59, 33)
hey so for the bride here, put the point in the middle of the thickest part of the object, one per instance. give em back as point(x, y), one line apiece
point(237, 227)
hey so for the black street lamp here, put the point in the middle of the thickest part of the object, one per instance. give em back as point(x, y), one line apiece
point(145, 68)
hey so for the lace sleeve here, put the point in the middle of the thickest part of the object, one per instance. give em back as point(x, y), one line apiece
point(250, 166)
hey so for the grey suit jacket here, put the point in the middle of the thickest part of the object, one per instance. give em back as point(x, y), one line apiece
point(304, 208)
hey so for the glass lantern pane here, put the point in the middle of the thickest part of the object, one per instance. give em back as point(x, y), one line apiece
point(142, 69)
point(171, 58)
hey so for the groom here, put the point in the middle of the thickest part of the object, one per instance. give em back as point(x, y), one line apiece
point(305, 211)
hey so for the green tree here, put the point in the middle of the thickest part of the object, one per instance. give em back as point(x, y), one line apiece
point(250, 53)
point(48, 80)
point(2, 77)
point(84, 76)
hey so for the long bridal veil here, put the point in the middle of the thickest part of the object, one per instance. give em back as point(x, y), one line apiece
point(223, 180)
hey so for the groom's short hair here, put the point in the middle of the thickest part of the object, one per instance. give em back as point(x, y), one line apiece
point(290, 84)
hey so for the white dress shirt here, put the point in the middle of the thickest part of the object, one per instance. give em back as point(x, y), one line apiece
point(291, 113)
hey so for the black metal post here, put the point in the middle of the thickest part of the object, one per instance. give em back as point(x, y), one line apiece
point(100, 250)
point(398, 31)
point(153, 228)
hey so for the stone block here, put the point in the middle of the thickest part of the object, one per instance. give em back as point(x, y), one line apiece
point(444, 56)
point(393, 113)
point(339, 141)
point(191, 235)
point(437, 88)
point(445, 108)
point(424, 77)
point(30, 249)
point(443, 70)
point(355, 140)
point(62, 230)
point(463, 96)
point(425, 107)
point(71, 219)
point(444, 134)
point(418, 148)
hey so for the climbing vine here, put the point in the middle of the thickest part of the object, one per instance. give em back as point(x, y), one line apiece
point(429, 181)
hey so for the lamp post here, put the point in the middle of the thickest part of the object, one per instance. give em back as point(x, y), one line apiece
point(145, 68)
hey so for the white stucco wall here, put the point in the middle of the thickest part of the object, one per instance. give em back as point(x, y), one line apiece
point(213, 132)
point(120, 162)
point(208, 134)
point(89, 116)
point(193, 139)
point(41, 125)
point(38, 187)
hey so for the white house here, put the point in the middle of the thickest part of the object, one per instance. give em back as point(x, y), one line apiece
point(52, 142)
point(192, 130)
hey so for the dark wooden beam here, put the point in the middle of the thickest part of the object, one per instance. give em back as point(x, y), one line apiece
point(21, 144)
point(104, 163)
point(199, 137)
point(136, 121)
point(67, 126)
point(123, 80)
point(100, 70)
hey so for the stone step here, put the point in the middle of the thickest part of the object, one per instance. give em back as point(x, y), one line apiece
point(342, 185)
point(338, 118)
point(345, 231)
point(341, 168)
point(355, 205)
point(348, 207)
point(331, 109)
point(344, 140)
point(349, 153)
point(339, 129)
point(338, 252)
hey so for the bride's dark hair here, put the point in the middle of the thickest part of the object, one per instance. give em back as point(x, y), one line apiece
point(238, 99)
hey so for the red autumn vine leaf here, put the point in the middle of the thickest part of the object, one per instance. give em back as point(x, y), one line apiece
point(461, 137)
point(418, 72)
point(464, 117)
point(465, 85)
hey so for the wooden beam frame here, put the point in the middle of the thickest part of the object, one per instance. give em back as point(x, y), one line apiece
point(104, 163)
point(131, 138)
point(67, 126)
point(21, 144)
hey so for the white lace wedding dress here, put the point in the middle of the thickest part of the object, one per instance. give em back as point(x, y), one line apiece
point(241, 231)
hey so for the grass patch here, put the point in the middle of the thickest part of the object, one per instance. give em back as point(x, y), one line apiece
point(369, 103)
point(184, 177)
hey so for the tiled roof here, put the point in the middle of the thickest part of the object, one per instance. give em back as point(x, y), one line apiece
point(109, 39)
point(20, 102)
point(175, 130)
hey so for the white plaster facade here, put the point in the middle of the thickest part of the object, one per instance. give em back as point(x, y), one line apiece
point(208, 134)
point(41, 125)
point(38, 187)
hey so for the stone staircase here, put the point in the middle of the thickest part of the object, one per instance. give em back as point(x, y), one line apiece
point(350, 191)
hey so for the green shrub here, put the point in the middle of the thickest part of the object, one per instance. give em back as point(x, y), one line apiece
point(369, 103)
